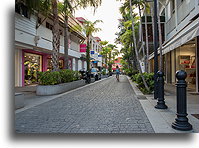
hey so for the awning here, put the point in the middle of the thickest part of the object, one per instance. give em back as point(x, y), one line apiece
point(184, 36)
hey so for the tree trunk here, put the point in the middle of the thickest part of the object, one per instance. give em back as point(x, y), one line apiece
point(135, 46)
point(152, 18)
point(66, 42)
point(56, 37)
point(106, 61)
point(147, 42)
point(141, 34)
point(88, 53)
point(109, 64)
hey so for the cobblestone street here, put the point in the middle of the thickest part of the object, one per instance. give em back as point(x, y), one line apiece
point(107, 106)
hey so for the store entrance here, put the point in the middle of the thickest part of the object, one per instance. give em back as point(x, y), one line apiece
point(32, 65)
point(186, 60)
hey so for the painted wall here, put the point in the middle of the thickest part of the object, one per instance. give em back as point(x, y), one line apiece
point(73, 64)
point(18, 67)
point(173, 69)
point(85, 65)
point(79, 65)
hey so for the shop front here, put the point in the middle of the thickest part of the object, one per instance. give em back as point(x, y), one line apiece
point(32, 65)
point(186, 60)
point(35, 62)
point(182, 58)
point(49, 64)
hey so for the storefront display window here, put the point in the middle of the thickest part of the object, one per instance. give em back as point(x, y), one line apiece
point(32, 65)
point(49, 64)
point(185, 56)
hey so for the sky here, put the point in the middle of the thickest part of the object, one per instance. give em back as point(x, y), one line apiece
point(108, 12)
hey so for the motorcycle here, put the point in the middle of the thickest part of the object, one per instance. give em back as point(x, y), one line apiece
point(85, 75)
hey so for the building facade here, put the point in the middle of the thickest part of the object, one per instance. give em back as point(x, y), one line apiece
point(181, 45)
point(96, 59)
point(33, 46)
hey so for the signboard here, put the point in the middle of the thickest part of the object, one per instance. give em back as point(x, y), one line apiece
point(82, 47)
point(95, 56)
point(95, 61)
point(142, 66)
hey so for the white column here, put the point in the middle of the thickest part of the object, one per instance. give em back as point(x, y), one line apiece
point(85, 65)
point(79, 65)
point(18, 67)
point(74, 64)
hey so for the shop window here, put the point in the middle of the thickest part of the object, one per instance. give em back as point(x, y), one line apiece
point(32, 66)
point(187, 62)
point(49, 64)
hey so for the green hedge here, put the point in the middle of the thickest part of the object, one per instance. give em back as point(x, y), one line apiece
point(149, 78)
point(57, 77)
point(130, 72)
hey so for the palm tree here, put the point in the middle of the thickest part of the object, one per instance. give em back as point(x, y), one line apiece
point(112, 52)
point(104, 51)
point(139, 4)
point(146, 36)
point(90, 28)
point(135, 46)
point(56, 36)
point(66, 9)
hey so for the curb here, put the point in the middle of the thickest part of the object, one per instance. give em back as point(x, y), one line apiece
point(156, 117)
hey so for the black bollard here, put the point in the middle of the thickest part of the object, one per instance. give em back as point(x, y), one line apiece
point(181, 122)
point(161, 102)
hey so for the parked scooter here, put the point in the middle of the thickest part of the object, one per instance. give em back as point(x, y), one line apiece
point(85, 75)
point(88, 77)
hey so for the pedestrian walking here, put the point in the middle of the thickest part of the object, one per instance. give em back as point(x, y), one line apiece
point(117, 73)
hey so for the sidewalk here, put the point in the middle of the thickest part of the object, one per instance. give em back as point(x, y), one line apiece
point(161, 120)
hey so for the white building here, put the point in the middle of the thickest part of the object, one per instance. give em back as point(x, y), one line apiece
point(33, 46)
point(181, 46)
point(96, 58)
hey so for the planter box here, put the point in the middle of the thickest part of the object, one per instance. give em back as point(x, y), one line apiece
point(19, 100)
point(44, 90)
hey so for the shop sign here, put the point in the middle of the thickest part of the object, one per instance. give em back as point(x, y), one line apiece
point(82, 47)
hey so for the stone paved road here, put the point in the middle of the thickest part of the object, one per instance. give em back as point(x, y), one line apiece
point(104, 107)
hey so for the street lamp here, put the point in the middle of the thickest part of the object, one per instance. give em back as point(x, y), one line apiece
point(155, 42)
